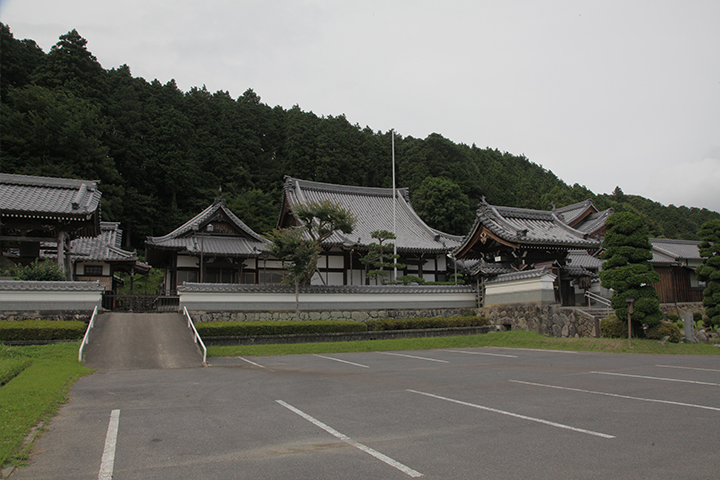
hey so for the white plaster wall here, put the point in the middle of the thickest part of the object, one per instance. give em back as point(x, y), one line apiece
point(188, 261)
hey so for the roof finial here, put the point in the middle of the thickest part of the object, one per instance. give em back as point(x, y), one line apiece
point(219, 198)
point(552, 204)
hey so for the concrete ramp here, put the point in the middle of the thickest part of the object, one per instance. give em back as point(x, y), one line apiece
point(136, 341)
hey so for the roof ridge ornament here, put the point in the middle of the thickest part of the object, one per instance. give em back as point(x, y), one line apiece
point(219, 198)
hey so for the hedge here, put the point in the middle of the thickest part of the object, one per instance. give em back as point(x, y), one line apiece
point(421, 323)
point(612, 327)
point(284, 327)
point(30, 330)
point(289, 327)
point(664, 329)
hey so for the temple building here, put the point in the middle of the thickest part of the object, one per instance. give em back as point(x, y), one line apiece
point(34, 210)
point(423, 250)
point(214, 246)
point(523, 246)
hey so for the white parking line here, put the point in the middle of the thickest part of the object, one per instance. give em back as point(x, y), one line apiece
point(250, 362)
point(658, 378)
point(108, 458)
point(523, 417)
point(617, 395)
point(383, 458)
point(413, 356)
point(343, 361)
point(691, 368)
point(484, 353)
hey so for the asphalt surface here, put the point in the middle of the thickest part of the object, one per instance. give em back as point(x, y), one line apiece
point(136, 341)
point(484, 413)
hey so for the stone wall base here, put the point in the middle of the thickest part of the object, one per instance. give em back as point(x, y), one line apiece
point(356, 315)
point(553, 320)
point(680, 308)
point(81, 315)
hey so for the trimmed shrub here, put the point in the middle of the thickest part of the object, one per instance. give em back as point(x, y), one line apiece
point(421, 323)
point(33, 330)
point(612, 327)
point(408, 279)
point(47, 271)
point(664, 329)
point(285, 327)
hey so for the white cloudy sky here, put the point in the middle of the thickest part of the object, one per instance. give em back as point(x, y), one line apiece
point(603, 93)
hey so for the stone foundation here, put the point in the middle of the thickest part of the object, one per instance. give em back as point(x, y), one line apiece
point(553, 320)
point(83, 316)
point(681, 308)
point(356, 315)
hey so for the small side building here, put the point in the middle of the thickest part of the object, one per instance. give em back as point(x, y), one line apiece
point(214, 246)
point(100, 258)
point(675, 261)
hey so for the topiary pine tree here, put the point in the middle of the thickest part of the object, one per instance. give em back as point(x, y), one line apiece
point(628, 272)
point(379, 257)
point(709, 271)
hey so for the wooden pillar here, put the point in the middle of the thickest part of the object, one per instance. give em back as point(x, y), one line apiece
point(63, 254)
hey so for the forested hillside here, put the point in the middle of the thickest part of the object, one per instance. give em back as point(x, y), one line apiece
point(161, 154)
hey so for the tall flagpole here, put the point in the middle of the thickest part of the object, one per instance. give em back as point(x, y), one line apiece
point(392, 131)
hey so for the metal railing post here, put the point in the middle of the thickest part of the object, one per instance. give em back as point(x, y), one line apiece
point(91, 324)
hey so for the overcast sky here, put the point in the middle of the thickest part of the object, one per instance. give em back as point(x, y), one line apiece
point(603, 93)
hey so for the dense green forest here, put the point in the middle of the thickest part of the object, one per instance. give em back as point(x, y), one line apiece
point(161, 154)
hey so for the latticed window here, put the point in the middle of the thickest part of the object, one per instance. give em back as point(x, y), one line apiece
point(93, 270)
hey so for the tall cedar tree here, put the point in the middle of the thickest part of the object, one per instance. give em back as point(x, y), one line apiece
point(628, 272)
point(709, 271)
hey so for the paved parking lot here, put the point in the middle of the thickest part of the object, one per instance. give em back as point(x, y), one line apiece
point(485, 413)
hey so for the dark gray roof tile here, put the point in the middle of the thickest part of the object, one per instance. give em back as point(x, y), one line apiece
point(373, 208)
point(48, 197)
point(333, 289)
point(26, 285)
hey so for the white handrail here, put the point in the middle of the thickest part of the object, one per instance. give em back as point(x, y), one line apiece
point(197, 338)
point(597, 298)
point(91, 324)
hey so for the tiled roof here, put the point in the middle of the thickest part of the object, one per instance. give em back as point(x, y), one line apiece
point(488, 269)
point(583, 259)
point(578, 271)
point(522, 275)
point(571, 213)
point(530, 227)
point(28, 285)
point(103, 248)
point(593, 222)
point(56, 198)
point(669, 251)
point(333, 289)
point(190, 237)
point(373, 208)
point(213, 245)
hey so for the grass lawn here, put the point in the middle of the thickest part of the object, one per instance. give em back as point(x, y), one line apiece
point(514, 339)
point(34, 381)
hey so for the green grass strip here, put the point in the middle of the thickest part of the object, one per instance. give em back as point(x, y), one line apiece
point(36, 393)
point(513, 339)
